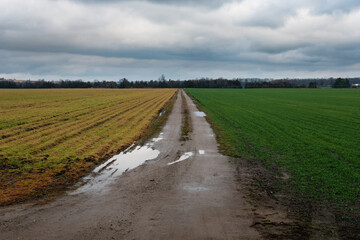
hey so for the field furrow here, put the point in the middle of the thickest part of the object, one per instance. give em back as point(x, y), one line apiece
point(51, 138)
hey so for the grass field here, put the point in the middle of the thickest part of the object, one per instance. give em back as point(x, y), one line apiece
point(313, 134)
point(50, 138)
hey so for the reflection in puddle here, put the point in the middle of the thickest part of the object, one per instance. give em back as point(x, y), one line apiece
point(160, 137)
point(107, 172)
point(201, 152)
point(200, 114)
point(183, 157)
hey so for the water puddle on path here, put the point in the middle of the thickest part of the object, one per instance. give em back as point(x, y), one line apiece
point(200, 114)
point(107, 172)
point(160, 137)
point(182, 158)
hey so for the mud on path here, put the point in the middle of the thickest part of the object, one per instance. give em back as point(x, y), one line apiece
point(189, 191)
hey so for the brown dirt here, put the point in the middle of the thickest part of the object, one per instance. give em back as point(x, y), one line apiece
point(282, 213)
point(202, 197)
point(275, 218)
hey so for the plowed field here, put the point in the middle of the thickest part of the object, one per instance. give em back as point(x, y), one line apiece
point(51, 138)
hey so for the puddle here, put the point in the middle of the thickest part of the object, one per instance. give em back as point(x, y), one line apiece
point(200, 114)
point(182, 158)
point(159, 138)
point(201, 152)
point(107, 172)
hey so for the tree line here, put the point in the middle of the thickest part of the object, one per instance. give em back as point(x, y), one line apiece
point(195, 83)
point(124, 83)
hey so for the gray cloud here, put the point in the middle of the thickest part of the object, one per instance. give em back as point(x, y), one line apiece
point(326, 6)
point(208, 3)
point(142, 39)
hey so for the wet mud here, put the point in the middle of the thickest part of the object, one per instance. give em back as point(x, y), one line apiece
point(108, 172)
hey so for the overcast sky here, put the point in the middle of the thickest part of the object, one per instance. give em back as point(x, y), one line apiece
point(140, 40)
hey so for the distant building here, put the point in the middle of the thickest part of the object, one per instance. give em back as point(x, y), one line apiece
point(355, 85)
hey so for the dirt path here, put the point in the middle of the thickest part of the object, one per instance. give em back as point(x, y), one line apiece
point(192, 199)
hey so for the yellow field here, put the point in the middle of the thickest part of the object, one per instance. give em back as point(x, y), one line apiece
point(51, 138)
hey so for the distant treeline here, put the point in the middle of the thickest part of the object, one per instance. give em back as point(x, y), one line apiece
point(196, 83)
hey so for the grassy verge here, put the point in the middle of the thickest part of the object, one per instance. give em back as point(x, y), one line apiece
point(305, 139)
point(159, 122)
point(186, 127)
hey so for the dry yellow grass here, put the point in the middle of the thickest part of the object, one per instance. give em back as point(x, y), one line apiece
point(51, 138)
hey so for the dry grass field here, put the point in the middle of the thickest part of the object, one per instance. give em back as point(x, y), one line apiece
point(51, 138)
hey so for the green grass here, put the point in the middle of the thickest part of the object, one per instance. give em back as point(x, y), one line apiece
point(186, 127)
point(314, 134)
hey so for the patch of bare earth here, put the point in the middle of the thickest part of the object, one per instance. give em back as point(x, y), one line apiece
point(280, 213)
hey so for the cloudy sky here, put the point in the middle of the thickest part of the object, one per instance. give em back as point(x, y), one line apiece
point(140, 40)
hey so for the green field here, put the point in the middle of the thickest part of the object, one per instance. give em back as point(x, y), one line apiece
point(313, 134)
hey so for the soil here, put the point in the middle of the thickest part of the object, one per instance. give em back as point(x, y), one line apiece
point(203, 196)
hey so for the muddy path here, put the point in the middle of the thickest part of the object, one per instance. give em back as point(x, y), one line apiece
point(186, 190)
